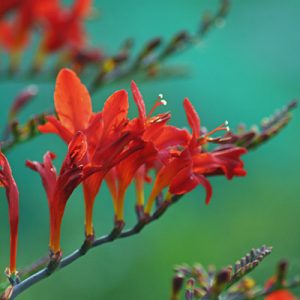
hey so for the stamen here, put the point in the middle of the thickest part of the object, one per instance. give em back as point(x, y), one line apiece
point(160, 101)
point(223, 126)
point(205, 137)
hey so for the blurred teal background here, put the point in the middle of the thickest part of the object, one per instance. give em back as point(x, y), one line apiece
point(241, 72)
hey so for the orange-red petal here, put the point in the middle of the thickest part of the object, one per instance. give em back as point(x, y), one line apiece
point(81, 8)
point(115, 111)
point(185, 181)
point(72, 101)
point(192, 117)
point(171, 136)
point(54, 126)
point(138, 99)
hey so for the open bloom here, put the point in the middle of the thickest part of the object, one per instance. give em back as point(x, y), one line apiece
point(17, 30)
point(51, 17)
point(60, 187)
point(12, 194)
point(64, 29)
point(157, 138)
point(189, 167)
point(74, 110)
point(106, 137)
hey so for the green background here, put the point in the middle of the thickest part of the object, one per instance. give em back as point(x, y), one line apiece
point(241, 72)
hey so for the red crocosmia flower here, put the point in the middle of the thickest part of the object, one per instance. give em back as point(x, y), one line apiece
point(16, 32)
point(60, 187)
point(72, 36)
point(188, 168)
point(12, 194)
point(104, 131)
point(157, 138)
point(73, 107)
point(15, 36)
point(153, 128)
point(279, 294)
point(41, 7)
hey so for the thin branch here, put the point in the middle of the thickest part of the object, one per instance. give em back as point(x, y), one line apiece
point(115, 234)
point(107, 69)
point(21, 134)
point(152, 55)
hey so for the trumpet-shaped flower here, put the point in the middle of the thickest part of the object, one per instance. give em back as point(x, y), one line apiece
point(16, 32)
point(157, 138)
point(106, 137)
point(74, 110)
point(188, 168)
point(60, 187)
point(12, 194)
point(64, 29)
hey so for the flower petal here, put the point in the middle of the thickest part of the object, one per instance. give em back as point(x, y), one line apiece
point(164, 178)
point(115, 111)
point(185, 181)
point(54, 126)
point(225, 162)
point(127, 168)
point(77, 154)
point(47, 172)
point(81, 8)
point(172, 136)
point(72, 101)
point(138, 99)
point(192, 117)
